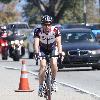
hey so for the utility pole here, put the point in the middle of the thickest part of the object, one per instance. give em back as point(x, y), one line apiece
point(84, 13)
point(99, 7)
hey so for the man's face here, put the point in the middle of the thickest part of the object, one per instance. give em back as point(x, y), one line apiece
point(47, 28)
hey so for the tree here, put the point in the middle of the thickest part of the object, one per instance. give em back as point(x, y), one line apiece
point(55, 8)
point(5, 1)
point(9, 13)
point(92, 12)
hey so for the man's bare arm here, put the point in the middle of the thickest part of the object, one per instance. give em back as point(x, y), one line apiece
point(58, 41)
point(36, 45)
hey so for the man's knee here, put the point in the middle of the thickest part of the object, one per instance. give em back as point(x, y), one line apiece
point(43, 64)
point(54, 62)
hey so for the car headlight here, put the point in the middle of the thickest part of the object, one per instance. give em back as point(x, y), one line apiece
point(21, 42)
point(2, 44)
point(94, 51)
point(16, 41)
point(12, 42)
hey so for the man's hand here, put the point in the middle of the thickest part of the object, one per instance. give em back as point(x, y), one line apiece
point(60, 58)
point(60, 55)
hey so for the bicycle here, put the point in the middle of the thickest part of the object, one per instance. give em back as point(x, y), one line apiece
point(47, 86)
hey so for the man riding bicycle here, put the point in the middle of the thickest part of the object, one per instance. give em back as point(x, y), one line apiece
point(47, 40)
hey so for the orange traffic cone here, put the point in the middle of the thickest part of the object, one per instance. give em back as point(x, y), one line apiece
point(24, 85)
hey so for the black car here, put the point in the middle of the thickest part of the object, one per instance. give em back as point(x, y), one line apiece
point(81, 48)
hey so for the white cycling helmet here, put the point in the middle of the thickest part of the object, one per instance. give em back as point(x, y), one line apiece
point(46, 19)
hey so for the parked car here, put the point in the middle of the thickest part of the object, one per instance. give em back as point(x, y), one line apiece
point(81, 48)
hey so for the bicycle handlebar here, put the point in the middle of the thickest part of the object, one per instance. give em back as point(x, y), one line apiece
point(48, 56)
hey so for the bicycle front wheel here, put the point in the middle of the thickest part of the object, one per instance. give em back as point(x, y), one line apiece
point(48, 84)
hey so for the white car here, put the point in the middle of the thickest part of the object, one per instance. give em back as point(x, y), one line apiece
point(30, 42)
point(20, 27)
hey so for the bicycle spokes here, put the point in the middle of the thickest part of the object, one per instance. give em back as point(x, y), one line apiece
point(47, 94)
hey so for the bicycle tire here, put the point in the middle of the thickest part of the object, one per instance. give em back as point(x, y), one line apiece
point(36, 62)
point(48, 87)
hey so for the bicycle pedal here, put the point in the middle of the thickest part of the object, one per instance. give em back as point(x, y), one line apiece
point(41, 95)
point(44, 96)
point(53, 90)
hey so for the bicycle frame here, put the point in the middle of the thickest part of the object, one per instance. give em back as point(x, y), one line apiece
point(47, 82)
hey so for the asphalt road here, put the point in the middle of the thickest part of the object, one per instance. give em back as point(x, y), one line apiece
point(72, 84)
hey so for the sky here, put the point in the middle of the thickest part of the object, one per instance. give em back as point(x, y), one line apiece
point(1, 6)
point(97, 3)
point(19, 6)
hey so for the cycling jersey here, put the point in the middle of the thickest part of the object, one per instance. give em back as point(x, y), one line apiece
point(47, 42)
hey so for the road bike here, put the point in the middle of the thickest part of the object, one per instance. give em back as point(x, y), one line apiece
point(47, 85)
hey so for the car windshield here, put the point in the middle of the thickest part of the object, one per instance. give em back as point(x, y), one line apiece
point(17, 26)
point(77, 37)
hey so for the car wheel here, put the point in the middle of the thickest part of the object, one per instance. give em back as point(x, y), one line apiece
point(95, 67)
point(22, 51)
point(31, 54)
point(4, 57)
point(4, 53)
point(11, 52)
point(59, 66)
point(98, 67)
point(16, 56)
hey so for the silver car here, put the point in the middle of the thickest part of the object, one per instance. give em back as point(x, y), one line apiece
point(30, 43)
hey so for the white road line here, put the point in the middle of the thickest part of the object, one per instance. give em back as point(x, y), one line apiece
point(72, 86)
point(62, 83)
point(78, 89)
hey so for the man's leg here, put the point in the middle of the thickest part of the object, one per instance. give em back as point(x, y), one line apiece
point(54, 67)
point(42, 71)
point(54, 70)
point(41, 76)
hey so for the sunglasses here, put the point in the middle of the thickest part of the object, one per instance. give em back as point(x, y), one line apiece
point(46, 24)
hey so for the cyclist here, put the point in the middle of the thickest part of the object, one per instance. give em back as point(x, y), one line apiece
point(47, 39)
